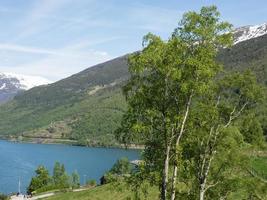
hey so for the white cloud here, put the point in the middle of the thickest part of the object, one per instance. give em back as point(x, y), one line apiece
point(63, 28)
point(56, 63)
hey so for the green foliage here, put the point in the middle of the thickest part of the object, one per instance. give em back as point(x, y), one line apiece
point(121, 167)
point(166, 76)
point(91, 183)
point(258, 164)
point(75, 180)
point(41, 179)
point(252, 131)
point(171, 80)
point(60, 177)
point(3, 197)
point(43, 182)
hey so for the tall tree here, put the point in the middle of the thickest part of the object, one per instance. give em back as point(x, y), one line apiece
point(204, 34)
point(150, 106)
point(41, 179)
point(75, 180)
point(60, 177)
point(166, 77)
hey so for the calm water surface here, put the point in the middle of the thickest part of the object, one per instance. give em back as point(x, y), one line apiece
point(19, 160)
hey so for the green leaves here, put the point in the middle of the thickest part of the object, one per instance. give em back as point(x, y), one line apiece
point(43, 182)
point(185, 110)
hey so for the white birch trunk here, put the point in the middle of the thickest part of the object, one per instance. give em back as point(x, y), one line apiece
point(175, 171)
point(165, 174)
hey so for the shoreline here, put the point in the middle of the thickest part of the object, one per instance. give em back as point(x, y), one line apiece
point(68, 142)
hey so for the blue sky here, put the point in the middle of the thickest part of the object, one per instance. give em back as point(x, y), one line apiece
point(57, 38)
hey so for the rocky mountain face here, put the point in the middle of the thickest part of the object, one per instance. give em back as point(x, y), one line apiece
point(248, 32)
point(12, 84)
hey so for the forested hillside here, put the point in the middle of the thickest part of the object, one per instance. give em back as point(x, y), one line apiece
point(87, 107)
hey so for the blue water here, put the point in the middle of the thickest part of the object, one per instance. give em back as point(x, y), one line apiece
point(19, 160)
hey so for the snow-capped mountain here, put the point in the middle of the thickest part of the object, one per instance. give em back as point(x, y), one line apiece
point(248, 32)
point(12, 84)
point(23, 82)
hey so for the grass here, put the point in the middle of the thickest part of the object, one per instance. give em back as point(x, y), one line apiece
point(111, 192)
point(260, 164)
point(107, 192)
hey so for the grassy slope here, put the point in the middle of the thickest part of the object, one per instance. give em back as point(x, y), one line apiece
point(105, 192)
point(110, 192)
point(94, 117)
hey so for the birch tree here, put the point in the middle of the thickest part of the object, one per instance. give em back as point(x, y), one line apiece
point(217, 143)
point(204, 34)
point(166, 77)
point(151, 114)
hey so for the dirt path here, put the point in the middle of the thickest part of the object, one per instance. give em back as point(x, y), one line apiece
point(21, 197)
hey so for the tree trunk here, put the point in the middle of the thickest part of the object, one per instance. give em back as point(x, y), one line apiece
point(202, 192)
point(174, 182)
point(165, 177)
point(175, 171)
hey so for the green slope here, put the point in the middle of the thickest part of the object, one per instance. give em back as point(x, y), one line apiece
point(107, 192)
point(250, 54)
point(120, 191)
point(88, 106)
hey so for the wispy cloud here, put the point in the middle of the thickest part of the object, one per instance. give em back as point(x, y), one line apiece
point(57, 63)
point(155, 18)
point(41, 9)
point(57, 67)
point(56, 38)
point(25, 49)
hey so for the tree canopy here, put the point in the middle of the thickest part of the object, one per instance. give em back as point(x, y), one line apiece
point(185, 109)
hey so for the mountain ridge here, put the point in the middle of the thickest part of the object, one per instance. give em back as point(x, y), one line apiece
point(87, 107)
point(13, 84)
point(241, 34)
point(249, 32)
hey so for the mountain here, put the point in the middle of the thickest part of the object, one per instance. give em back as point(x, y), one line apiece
point(87, 107)
point(61, 111)
point(248, 32)
point(13, 84)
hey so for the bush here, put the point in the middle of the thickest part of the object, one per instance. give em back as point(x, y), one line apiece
point(119, 170)
point(3, 197)
point(91, 183)
point(41, 179)
point(43, 182)
point(121, 167)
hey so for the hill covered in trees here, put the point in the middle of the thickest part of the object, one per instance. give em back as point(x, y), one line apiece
point(87, 107)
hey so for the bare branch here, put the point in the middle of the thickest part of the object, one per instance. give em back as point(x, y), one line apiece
point(218, 101)
point(232, 116)
point(211, 185)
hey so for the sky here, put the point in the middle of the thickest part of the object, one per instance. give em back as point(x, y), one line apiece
point(57, 38)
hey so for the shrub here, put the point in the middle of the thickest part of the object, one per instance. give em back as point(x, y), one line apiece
point(3, 197)
point(91, 183)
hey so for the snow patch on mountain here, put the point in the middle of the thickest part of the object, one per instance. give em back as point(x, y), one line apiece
point(23, 82)
point(3, 86)
point(248, 32)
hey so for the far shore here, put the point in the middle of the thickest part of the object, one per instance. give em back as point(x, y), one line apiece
point(69, 142)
